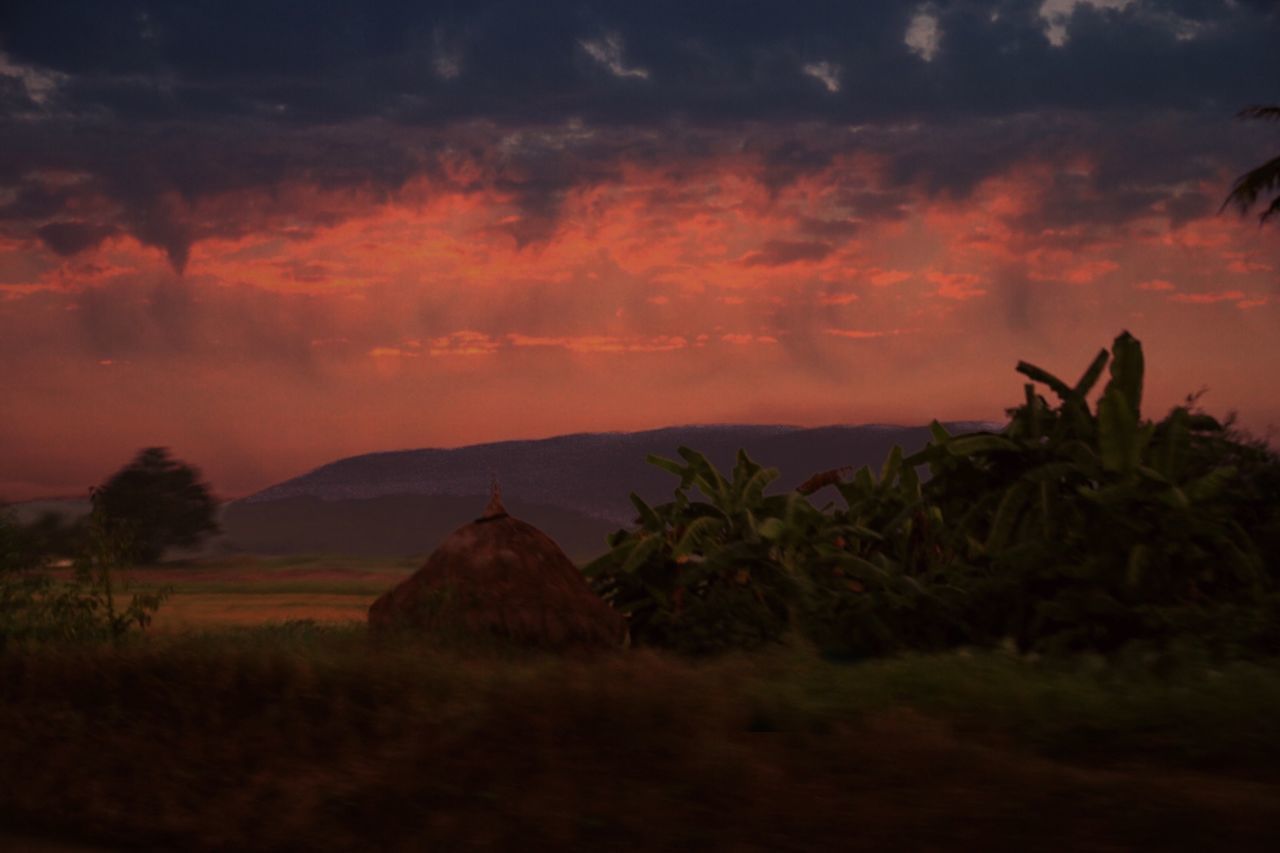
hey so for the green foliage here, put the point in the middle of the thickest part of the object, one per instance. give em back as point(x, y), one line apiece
point(1076, 527)
point(707, 575)
point(49, 536)
point(1086, 529)
point(741, 568)
point(1262, 180)
point(878, 572)
point(297, 737)
point(36, 606)
point(162, 503)
point(22, 585)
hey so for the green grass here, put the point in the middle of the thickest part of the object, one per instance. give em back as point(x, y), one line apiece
point(269, 587)
point(260, 715)
point(245, 591)
point(301, 735)
point(270, 563)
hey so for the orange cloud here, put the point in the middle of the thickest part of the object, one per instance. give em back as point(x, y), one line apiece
point(1207, 298)
point(885, 278)
point(657, 294)
point(837, 298)
point(463, 343)
point(959, 286)
point(863, 334)
point(744, 339)
point(601, 343)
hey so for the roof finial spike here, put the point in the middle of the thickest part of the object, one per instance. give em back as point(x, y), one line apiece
point(495, 509)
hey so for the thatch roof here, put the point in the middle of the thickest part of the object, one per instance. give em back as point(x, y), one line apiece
point(501, 576)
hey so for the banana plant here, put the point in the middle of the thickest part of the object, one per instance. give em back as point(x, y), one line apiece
point(878, 576)
point(1082, 527)
point(715, 567)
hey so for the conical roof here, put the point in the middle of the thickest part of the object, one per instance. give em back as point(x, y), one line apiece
point(499, 575)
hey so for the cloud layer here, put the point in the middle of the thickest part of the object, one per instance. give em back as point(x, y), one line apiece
point(271, 234)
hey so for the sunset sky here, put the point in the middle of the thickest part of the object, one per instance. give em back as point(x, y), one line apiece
point(271, 234)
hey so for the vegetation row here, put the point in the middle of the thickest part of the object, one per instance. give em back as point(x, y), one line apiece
point(1076, 527)
point(1080, 526)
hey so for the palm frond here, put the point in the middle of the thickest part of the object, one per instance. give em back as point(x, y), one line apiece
point(1272, 210)
point(1260, 111)
point(1256, 182)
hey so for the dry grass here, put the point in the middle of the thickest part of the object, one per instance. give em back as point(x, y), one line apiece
point(187, 611)
point(299, 736)
point(303, 738)
point(248, 591)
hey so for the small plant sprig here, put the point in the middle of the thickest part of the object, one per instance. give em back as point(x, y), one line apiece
point(36, 606)
point(98, 570)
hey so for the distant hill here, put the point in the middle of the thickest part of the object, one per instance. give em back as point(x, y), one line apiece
point(575, 487)
point(389, 525)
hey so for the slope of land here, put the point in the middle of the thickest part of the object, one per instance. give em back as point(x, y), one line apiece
point(592, 473)
point(389, 525)
point(575, 487)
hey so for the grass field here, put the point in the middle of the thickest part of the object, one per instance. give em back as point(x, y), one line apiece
point(232, 727)
point(251, 591)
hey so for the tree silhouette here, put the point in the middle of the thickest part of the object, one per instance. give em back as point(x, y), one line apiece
point(1263, 179)
point(158, 502)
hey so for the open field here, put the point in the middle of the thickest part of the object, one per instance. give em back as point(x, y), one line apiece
point(249, 591)
point(230, 727)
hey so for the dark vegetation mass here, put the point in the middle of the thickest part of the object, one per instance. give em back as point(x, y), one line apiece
point(157, 502)
point(152, 504)
point(1081, 526)
point(1255, 185)
point(1075, 528)
point(303, 738)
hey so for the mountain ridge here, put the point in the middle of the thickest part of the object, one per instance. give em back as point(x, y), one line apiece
point(594, 472)
point(575, 487)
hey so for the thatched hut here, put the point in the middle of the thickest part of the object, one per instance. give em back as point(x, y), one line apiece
point(500, 576)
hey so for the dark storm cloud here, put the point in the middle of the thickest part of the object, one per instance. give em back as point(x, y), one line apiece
point(159, 105)
point(71, 238)
point(777, 253)
point(163, 319)
point(715, 59)
point(146, 180)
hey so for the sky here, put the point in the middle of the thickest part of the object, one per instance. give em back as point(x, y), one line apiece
point(271, 234)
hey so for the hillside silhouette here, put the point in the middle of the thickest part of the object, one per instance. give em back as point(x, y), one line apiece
point(575, 487)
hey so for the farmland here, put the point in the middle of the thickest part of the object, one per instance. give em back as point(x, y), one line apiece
point(237, 723)
point(247, 591)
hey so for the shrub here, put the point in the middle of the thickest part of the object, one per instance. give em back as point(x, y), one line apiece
point(37, 607)
point(1094, 529)
point(1075, 528)
point(705, 575)
point(879, 576)
point(741, 569)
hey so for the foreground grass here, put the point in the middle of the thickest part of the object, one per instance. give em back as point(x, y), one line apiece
point(301, 737)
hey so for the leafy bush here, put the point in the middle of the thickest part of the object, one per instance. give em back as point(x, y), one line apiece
point(879, 576)
point(1093, 529)
point(742, 568)
point(35, 606)
point(1073, 528)
point(707, 575)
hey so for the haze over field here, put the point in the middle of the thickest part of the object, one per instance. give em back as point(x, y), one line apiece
point(273, 235)
point(575, 487)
